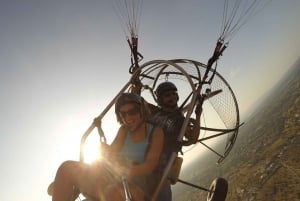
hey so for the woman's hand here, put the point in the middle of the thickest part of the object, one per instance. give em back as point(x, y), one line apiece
point(124, 166)
point(97, 122)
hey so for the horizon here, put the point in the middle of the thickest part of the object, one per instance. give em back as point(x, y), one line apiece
point(269, 93)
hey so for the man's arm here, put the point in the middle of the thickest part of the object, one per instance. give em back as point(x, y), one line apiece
point(136, 85)
point(192, 134)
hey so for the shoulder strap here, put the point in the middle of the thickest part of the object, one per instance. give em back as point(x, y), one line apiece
point(150, 129)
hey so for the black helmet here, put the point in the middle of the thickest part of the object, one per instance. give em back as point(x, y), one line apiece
point(163, 87)
point(128, 98)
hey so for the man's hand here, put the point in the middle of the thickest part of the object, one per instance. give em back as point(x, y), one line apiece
point(198, 109)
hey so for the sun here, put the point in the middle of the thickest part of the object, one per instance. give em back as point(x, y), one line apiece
point(92, 149)
point(92, 144)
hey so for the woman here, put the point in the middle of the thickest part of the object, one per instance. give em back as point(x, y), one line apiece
point(139, 142)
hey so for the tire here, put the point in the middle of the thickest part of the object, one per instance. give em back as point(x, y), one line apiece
point(218, 188)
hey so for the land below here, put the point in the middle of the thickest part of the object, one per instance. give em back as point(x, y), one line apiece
point(264, 163)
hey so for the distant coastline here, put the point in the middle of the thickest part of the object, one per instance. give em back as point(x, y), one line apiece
point(292, 72)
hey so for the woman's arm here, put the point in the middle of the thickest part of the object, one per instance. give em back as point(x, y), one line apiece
point(117, 143)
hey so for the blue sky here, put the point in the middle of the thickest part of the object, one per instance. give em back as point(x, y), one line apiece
point(61, 62)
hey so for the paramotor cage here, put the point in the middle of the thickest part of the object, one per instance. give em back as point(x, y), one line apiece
point(186, 74)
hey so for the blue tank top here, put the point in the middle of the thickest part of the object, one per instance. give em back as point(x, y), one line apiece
point(136, 152)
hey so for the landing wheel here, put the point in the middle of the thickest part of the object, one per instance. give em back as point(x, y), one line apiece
point(218, 190)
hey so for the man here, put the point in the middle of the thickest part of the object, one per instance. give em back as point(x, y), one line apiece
point(168, 116)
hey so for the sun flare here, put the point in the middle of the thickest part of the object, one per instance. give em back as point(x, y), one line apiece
point(92, 144)
point(92, 150)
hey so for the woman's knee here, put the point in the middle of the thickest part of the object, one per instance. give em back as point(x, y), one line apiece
point(67, 165)
point(69, 169)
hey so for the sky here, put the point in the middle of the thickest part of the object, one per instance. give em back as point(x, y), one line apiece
point(61, 63)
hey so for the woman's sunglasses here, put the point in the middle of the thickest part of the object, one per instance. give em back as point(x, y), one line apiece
point(130, 112)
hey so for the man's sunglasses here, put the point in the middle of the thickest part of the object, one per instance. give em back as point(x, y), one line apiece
point(130, 112)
